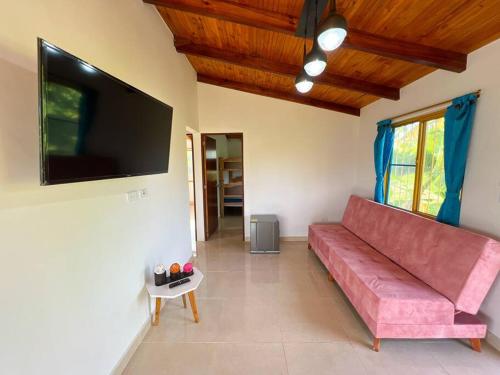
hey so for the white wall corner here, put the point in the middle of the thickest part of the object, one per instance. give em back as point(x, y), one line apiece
point(131, 348)
point(493, 340)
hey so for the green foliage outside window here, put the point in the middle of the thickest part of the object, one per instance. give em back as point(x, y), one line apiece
point(407, 173)
point(403, 166)
point(433, 187)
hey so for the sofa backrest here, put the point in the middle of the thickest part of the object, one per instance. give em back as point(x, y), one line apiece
point(459, 264)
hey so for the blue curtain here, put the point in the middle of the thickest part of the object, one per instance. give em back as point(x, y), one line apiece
point(458, 122)
point(382, 151)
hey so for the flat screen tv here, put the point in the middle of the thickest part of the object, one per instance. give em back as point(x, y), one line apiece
point(94, 126)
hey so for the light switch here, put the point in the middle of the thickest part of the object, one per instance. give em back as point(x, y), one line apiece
point(133, 196)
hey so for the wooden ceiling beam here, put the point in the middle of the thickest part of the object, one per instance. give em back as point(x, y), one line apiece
point(401, 50)
point(296, 98)
point(234, 12)
point(284, 69)
point(357, 40)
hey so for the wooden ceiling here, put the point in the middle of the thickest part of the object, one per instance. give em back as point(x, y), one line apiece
point(249, 45)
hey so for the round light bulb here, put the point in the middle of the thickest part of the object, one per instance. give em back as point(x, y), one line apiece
point(315, 61)
point(303, 83)
point(331, 39)
point(315, 67)
point(304, 86)
point(332, 31)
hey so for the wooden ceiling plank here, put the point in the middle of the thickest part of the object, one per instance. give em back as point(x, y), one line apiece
point(234, 12)
point(186, 47)
point(296, 98)
point(357, 40)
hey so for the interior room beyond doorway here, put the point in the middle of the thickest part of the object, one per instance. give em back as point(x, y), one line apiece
point(223, 183)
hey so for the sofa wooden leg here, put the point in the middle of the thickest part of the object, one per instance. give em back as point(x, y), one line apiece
point(330, 278)
point(376, 344)
point(476, 345)
point(309, 246)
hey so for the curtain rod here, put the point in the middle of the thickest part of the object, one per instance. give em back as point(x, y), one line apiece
point(478, 93)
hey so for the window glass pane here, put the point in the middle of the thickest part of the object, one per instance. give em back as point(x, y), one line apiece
point(433, 187)
point(403, 166)
point(402, 185)
point(405, 144)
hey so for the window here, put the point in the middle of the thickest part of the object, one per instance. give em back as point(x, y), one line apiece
point(415, 176)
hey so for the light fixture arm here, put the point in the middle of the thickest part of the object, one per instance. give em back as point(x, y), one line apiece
point(305, 37)
point(316, 21)
point(333, 6)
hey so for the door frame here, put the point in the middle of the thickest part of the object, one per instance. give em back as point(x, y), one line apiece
point(203, 162)
point(204, 186)
point(190, 136)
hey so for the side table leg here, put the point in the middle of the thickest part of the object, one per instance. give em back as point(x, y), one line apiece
point(184, 300)
point(192, 301)
point(156, 320)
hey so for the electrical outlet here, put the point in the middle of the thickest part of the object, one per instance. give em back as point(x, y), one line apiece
point(143, 193)
point(133, 196)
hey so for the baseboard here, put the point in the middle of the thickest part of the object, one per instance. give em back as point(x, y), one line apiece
point(294, 239)
point(287, 239)
point(493, 340)
point(123, 362)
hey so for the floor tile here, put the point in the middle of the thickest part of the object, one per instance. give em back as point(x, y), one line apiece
point(314, 321)
point(250, 359)
point(407, 357)
point(169, 358)
point(323, 358)
point(456, 357)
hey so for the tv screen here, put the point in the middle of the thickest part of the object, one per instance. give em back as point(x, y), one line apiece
point(94, 126)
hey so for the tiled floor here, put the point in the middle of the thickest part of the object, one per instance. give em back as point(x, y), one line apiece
point(278, 314)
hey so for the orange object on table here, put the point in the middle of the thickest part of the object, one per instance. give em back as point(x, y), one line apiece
point(175, 268)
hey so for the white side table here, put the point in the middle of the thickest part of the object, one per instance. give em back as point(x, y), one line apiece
point(164, 291)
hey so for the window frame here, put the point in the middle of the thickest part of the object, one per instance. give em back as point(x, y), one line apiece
point(417, 187)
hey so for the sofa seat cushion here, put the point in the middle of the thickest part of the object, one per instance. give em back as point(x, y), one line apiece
point(320, 235)
point(389, 293)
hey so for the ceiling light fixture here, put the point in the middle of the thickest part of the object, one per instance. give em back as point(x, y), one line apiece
point(315, 61)
point(303, 82)
point(332, 30)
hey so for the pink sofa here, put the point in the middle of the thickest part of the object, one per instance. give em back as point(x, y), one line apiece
point(408, 276)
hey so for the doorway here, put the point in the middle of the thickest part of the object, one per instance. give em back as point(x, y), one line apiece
point(191, 188)
point(223, 184)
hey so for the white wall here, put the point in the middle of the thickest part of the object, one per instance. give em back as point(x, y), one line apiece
point(222, 146)
point(74, 258)
point(298, 159)
point(481, 192)
point(234, 147)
